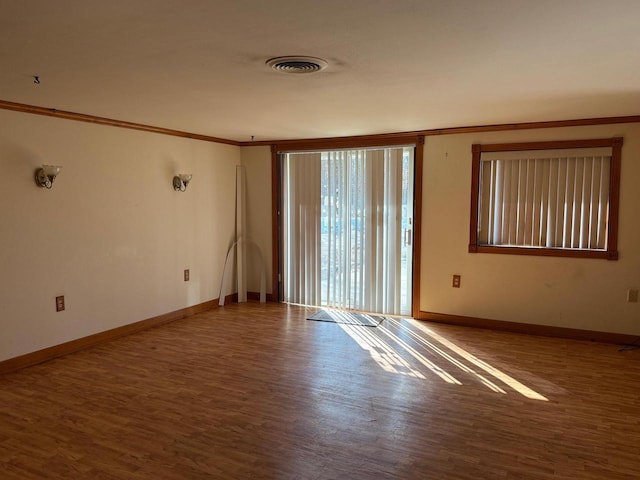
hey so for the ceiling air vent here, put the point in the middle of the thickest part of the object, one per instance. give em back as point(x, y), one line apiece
point(297, 64)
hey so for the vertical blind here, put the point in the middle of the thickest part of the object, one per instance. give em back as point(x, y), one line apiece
point(301, 236)
point(342, 228)
point(552, 199)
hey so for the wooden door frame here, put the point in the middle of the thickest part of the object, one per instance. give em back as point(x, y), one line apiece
point(337, 144)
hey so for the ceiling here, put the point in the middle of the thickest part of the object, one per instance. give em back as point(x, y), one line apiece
point(394, 65)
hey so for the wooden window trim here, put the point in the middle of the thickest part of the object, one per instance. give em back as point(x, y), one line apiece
point(614, 197)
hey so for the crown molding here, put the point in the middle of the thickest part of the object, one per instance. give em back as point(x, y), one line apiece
point(81, 117)
point(396, 138)
point(376, 139)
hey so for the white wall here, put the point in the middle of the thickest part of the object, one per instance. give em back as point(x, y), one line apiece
point(586, 294)
point(257, 163)
point(114, 238)
point(112, 235)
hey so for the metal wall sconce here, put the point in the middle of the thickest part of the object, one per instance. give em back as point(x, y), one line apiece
point(46, 174)
point(181, 181)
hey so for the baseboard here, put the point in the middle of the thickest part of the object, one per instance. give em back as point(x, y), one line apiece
point(46, 354)
point(531, 329)
point(256, 296)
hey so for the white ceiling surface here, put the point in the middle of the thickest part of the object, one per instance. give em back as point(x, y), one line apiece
point(394, 65)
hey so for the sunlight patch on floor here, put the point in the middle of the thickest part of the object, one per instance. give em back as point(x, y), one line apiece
point(409, 348)
point(384, 355)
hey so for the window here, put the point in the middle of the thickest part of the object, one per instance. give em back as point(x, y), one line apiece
point(546, 198)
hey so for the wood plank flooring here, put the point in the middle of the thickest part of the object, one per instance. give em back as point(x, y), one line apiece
point(257, 392)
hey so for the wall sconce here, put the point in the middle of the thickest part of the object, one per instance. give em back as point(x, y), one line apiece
point(46, 174)
point(181, 181)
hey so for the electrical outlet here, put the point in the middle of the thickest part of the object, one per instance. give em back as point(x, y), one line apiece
point(632, 295)
point(60, 303)
point(456, 281)
point(186, 275)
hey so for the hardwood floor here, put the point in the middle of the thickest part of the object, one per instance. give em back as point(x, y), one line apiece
point(256, 391)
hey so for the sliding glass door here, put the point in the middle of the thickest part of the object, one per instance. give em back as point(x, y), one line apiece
point(347, 228)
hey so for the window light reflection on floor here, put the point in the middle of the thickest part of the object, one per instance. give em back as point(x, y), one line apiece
point(396, 346)
point(383, 354)
point(446, 356)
